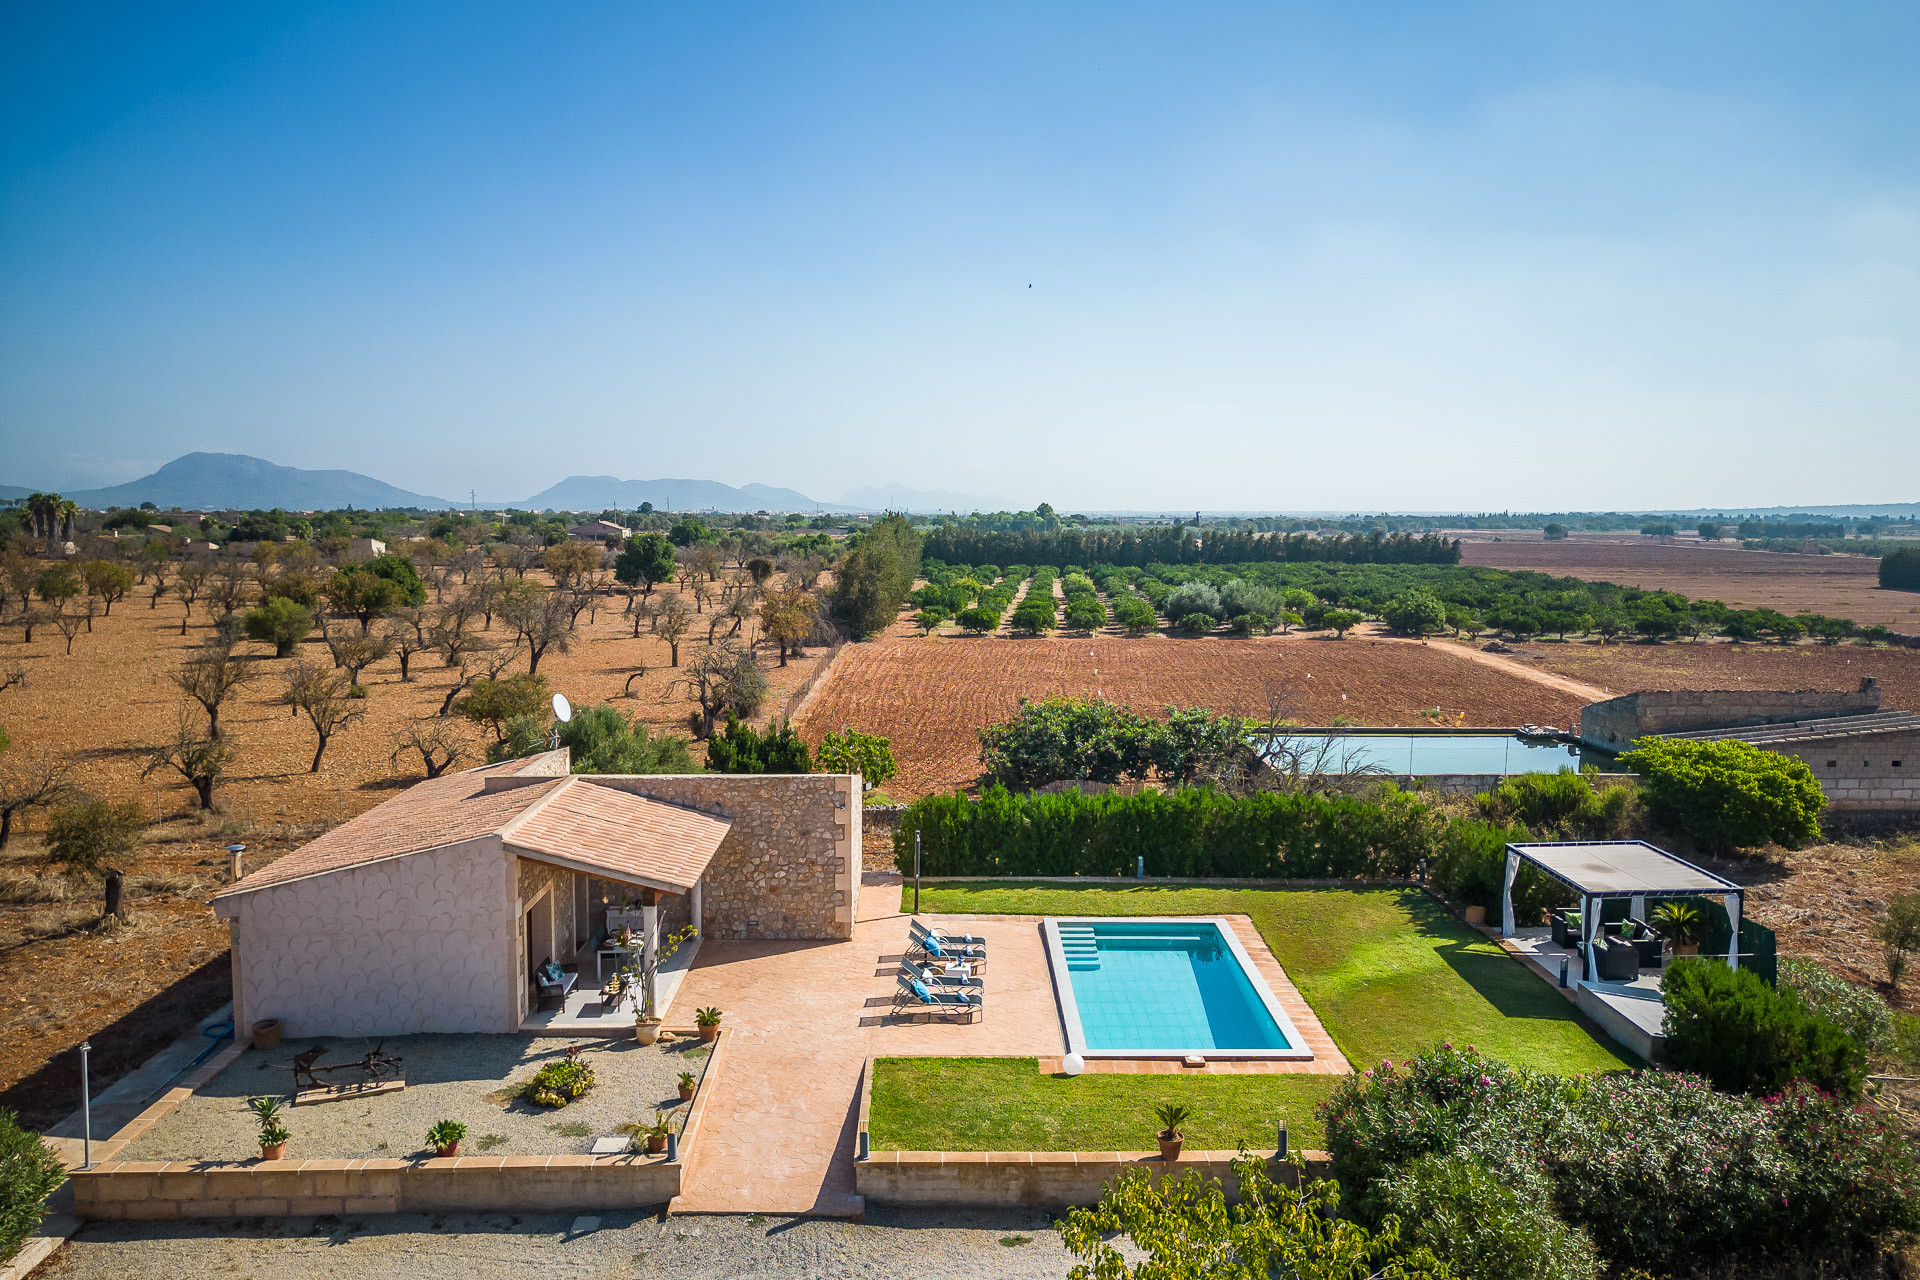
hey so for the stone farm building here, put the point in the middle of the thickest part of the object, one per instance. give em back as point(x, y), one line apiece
point(1866, 759)
point(431, 912)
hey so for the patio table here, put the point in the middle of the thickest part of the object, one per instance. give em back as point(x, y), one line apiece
point(600, 960)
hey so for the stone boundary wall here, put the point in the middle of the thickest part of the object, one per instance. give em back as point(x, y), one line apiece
point(1027, 1179)
point(789, 868)
point(1859, 775)
point(1613, 724)
point(168, 1190)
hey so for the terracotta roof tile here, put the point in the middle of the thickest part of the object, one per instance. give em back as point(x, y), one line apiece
point(626, 836)
point(427, 815)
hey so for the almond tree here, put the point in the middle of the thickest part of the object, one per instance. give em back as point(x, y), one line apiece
point(405, 639)
point(107, 580)
point(672, 623)
point(188, 580)
point(197, 758)
point(437, 741)
point(541, 620)
point(71, 622)
point(355, 653)
point(28, 782)
point(211, 677)
point(327, 700)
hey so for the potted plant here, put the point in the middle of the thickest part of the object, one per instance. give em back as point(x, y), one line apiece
point(1679, 924)
point(445, 1137)
point(708, 1020)
point(686, 1086)
point(273, 1136)
point(655, 1133)
point(1171, 1116)
point(646, 1019)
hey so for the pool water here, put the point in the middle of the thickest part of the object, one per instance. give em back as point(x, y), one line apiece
point(1430, 753)
point(1162, 985)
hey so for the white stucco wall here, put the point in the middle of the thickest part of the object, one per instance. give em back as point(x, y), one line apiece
point(417, 943)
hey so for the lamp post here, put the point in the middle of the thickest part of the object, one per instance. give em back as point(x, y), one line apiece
point(916, 871)
point(86, 1108)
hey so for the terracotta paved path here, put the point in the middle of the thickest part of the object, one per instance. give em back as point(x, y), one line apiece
point(778, 1134)
point(779, 1128)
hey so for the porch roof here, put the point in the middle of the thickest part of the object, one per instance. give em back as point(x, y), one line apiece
point(607, 832)
point(1620, 868)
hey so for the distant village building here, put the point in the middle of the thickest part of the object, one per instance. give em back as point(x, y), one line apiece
point(598, 531)
point(365, 548)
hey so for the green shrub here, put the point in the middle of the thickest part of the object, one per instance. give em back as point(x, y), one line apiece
point(1198, 623)
point(743, 749)
point(1746, 1037)
point(88, 835)
point(29, 1173)
point(1415, 613)
point(280, 622)
point(558, 1083)
point(1728, 795)
point(1559, 805)
point(1469, 864)
point(1032, 619)
point(599, 739)
point(1858, 1011)
point(1482, 1227)
point(1900, 569)
point(1657, 1168)
point(1134, 615)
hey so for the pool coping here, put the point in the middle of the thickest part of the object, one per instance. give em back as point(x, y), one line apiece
point(1070, 1009)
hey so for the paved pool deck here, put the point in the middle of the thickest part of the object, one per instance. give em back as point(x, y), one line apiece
point(805, 1016)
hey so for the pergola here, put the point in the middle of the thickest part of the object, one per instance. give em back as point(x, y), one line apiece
point(1601, 869)
point(603, 831)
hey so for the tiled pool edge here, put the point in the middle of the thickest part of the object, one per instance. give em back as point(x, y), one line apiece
point(168, 1190)
point(1067, 1001)
point(1025, 1179)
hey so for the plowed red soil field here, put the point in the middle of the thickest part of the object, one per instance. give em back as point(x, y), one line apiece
point(932, 695)
point(1840, 586)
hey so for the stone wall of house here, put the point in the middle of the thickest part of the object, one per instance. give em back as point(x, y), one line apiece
point(1615, 723)
point(558, 882)
point(398, 946)
point(1880, 772)
point(789, 868)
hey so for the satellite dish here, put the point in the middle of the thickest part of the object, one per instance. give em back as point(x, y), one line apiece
point(562, 709)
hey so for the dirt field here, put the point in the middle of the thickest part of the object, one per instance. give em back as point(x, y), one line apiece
point(1625, 668)
point(931, 695)
point(1839, 586)
point(111, 698)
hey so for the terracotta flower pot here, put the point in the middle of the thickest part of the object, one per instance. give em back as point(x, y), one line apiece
point(451, 1149)
point(709, 1034)
point(1170, 1147)
point(686, 1093)
point(1686, 948)
point(646, 1030)
point(273, 1152)
point(1476, 915)
point(266, 1033)
point(656, 1143)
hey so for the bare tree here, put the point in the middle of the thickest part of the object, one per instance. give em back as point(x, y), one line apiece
point(686, 575)
point(28, 782)
point(30, 617)
point(541, 621)
point(354, 653)
point(326, 699)
point(1281, 758)
point(71, 622)
point(210, 677)
point(189, 580)
point(705, 557)
point(726, 680)
point(231, 586)
point(405, 639)
point(195, 757)
point(437, 741)
point(158, 587)
point(475, 667)
point(672, 622)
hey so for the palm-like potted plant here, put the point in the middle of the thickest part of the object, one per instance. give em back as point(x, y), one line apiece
point(655, 1134)
point(1679, 924)
point(1171, 1116)
point(646, 1019)
point(686, 1086)
point(273, 1135)
point(445, 1137)
point(708, 1020)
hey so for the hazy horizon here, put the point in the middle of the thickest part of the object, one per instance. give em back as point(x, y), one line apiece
point(1114, 257)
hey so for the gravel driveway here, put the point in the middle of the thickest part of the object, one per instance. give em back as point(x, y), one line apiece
point(448, 1077)
point(952, 1245)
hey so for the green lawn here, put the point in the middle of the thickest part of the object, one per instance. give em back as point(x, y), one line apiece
point(1387, 971)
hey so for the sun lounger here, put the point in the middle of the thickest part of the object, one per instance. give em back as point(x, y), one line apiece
point(932, 948)
point(918, 930)
point(914, 996)
point(934, 978)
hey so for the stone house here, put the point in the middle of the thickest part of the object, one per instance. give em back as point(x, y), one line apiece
point(598, 531)
point(432, 911)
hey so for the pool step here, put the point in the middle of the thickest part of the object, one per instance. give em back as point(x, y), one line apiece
point(1078, 946)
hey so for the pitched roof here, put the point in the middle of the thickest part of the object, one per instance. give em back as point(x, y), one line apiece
point(602, 829)
point(1824, 729)
point(427, 815)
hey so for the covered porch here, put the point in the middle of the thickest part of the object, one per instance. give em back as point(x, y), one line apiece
point(1612, 974)
point(605, 876)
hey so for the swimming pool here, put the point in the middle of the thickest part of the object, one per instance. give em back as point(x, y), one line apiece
point(1163, 986)
point(1432, 753)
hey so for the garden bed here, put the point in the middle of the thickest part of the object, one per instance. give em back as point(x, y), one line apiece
point(457, 1077)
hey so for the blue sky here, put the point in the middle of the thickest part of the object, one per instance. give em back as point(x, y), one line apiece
point(1367, 256)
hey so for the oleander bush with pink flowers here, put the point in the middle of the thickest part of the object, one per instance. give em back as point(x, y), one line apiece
point(1656, 1169)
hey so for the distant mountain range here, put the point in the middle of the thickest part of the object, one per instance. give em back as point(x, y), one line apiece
point(223, 480)
point(601, 493)
point(898, 497)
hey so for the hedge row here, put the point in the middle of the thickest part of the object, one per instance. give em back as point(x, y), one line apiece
point(1195, 832)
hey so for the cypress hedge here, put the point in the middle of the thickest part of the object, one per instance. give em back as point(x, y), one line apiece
point(1197, 832)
